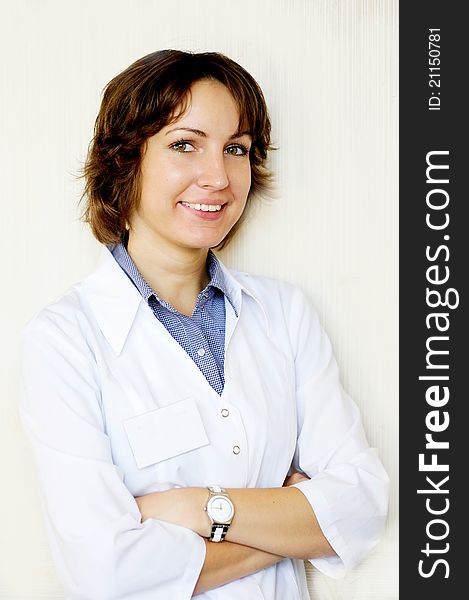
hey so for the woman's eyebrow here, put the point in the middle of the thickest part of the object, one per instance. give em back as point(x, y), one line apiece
point(240, 134)
point(200, 133)
point(194, 131)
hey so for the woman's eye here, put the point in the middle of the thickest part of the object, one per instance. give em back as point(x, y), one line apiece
point(182, 146)
point(237, 150)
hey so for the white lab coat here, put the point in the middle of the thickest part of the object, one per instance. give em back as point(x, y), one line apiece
point(115, 408)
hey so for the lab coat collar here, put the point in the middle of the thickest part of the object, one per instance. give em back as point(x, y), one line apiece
point(114, 300)
point(236, 288)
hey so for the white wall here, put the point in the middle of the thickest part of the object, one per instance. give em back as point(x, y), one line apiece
point(329, 72)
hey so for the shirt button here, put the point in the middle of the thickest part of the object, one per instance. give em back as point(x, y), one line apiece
point(236, 449)
point(200, 352)
point(225, 412)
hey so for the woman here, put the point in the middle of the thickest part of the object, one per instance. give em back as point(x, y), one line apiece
point(188, 422)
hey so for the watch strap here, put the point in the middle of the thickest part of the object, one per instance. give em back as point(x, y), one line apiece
point(218, 532)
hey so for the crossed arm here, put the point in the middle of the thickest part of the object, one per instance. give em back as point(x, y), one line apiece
point(269, 525)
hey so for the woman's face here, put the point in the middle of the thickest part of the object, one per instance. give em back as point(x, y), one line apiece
point(195, 174)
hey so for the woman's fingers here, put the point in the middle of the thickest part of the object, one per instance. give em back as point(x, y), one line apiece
point(295, 477)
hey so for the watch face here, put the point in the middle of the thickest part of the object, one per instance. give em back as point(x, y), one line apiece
point(220, 509)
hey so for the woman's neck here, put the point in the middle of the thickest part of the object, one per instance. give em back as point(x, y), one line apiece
point(177, 276)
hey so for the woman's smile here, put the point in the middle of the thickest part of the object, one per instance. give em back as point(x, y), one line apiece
point(205, 210)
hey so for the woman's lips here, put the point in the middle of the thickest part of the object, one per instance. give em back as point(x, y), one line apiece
point(202, 212)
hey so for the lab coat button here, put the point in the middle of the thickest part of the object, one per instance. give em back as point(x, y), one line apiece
point(201, 352)
point(236, 449)
point(225, 412)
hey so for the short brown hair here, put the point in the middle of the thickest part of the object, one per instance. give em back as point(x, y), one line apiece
point(151, 93)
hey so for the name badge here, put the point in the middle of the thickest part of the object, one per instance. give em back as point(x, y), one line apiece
point(165, 432)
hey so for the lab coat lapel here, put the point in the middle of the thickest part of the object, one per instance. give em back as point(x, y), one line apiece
point(113, 299)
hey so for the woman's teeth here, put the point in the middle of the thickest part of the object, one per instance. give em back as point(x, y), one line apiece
point(204, 207)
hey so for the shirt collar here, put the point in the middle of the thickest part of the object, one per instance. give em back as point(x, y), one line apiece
point(123, 259)
point(215, 271)
point(115, 301)
point(218, 280)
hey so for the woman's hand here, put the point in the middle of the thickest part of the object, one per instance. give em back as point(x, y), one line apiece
point(295, 477)
point(180, 506)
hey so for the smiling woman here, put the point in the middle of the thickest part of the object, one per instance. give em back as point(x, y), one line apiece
point(190, 429)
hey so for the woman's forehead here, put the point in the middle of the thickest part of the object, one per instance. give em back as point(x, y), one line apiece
point(209, 104)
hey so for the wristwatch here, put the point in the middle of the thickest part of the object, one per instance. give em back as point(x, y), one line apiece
point(220, 511)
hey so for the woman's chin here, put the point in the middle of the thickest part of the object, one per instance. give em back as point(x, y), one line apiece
point(205, 242)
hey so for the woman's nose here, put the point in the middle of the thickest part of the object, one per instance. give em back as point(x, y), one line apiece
point(212, 174)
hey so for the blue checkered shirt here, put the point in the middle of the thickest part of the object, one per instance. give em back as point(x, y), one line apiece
point(202, 335)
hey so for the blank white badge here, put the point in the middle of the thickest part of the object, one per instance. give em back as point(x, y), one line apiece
point(165, 432)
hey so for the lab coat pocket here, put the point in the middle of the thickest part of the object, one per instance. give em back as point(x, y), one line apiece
point(166, 432)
